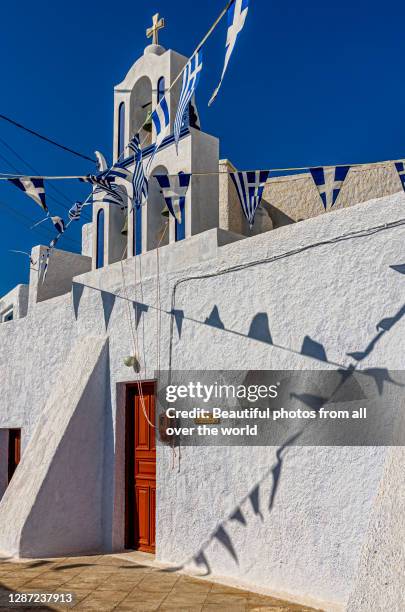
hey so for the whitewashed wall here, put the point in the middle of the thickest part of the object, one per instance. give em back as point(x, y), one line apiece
point(308, 547)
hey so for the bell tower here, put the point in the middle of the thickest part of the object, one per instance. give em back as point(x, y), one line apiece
point(148, 80)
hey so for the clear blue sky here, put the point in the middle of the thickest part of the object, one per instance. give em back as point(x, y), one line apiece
point(308, 84)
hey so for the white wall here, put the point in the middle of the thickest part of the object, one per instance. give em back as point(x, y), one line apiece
point(379, 585)
point(87, 239)
point(308, 546)
point(62, 267)
point(56, 509)
point(18, 299)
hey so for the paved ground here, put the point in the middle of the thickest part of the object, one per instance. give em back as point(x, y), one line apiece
point(104, 583)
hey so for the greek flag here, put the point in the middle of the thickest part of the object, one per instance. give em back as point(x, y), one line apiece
point(174, 189)
point(45, 257)
point(75, 212)
point(98, 179)
point(400, 166)
point(116, 172)
point(103, 184)
point(115, 195)
point(33, 187)
point(191, 76)
point(161, 121)
point(329, 182)
point(139, 180)
point(237, 13)
point(249, 186)
point(59, 224)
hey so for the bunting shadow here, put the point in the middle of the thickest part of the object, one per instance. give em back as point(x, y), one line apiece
point(77, 292)
point(108, 300)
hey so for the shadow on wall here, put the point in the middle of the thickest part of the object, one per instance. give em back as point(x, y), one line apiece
point(260, 330)
point(260, 509)
point(78, 461)
point(278, 217)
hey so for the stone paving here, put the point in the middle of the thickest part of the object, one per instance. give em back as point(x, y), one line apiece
point(104, 583)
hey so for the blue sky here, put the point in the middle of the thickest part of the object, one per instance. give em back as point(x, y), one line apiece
point(308, 84)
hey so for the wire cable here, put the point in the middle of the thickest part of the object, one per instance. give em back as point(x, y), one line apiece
point(267, 260)
point(39, 229)
point(54, 188)
point(303, 171)
point(45, 138)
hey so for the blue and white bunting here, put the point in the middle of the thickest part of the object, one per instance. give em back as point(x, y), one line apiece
point(33, 187)
point(161, 121)
point(75, 212)
point(249, 187)
point(237, 13)
point(191, 76)
point(139, 180)
point(105, 185)
point(400, 166)
point(174, 189)
point(98, 179)
point(116, 195)
point(117, 172)
point(59, 224)
point(329, 182)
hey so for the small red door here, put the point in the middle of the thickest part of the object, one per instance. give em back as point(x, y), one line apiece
point(141, 468)
point(14, 451)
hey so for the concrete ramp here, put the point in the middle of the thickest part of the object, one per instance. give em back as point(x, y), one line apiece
point(53, 505)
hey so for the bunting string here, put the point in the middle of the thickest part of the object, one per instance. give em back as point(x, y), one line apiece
point(7, 176)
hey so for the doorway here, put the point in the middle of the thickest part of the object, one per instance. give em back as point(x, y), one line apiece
point(140, 467)
point(14, 451)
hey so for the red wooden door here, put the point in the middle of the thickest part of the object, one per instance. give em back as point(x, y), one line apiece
point(141, 468)
point(14, 451)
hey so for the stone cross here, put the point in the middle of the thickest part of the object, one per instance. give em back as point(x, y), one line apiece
point(157, 24)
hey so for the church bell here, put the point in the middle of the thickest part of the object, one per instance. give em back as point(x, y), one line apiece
point(165, 212)
point(147, 126)
point(124, 230)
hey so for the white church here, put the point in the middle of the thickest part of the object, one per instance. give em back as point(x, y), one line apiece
point(80, 470)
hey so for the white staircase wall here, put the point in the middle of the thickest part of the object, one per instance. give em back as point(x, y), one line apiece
point(53, 505)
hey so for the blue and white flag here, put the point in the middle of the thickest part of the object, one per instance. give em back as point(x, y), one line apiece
point(104, 184)
point(59, 224)
point(329, 182)
point(191, 76)
point(249, 186)
point(161, 121)
point(33, 187)
point(75, 212)
point(45, 257)
point(400, 166)
point(237, 13)
point(116, 195)
point(174, 189)
point(116, 172)
point(98, 179)
point(139, 180)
